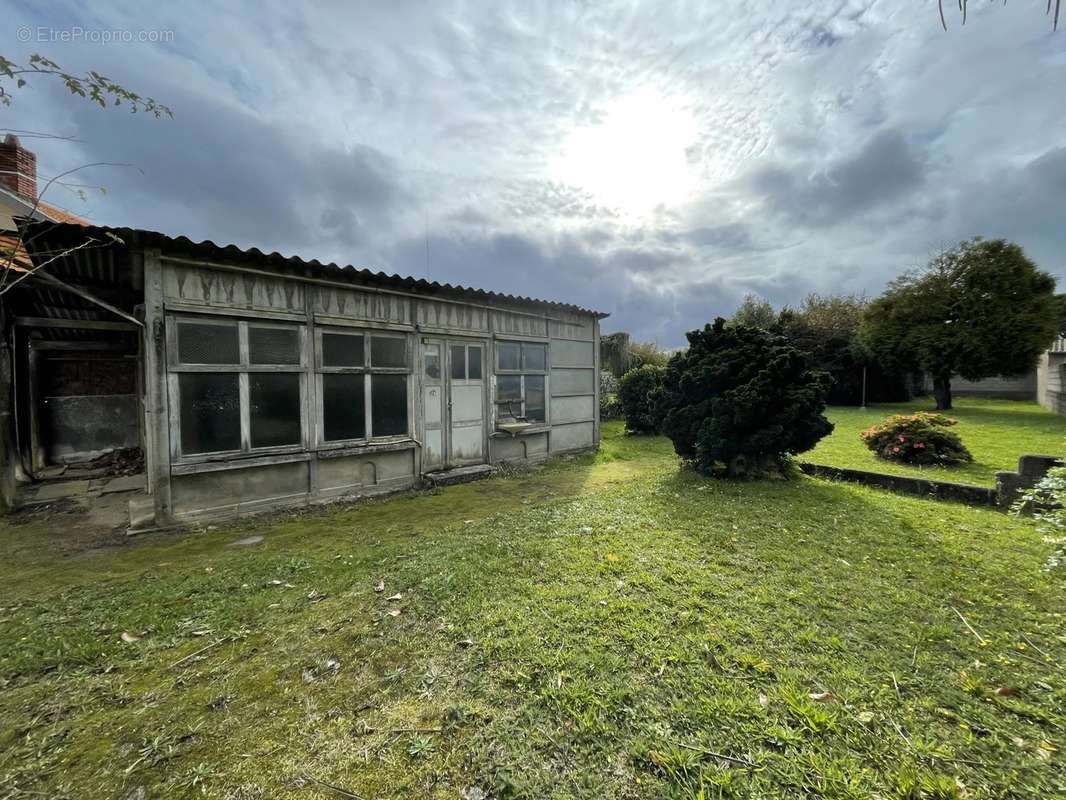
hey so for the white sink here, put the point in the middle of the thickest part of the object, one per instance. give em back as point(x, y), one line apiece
point(513, 428)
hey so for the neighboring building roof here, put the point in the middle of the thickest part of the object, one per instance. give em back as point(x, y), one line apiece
point(208, 251)
point(17, 205)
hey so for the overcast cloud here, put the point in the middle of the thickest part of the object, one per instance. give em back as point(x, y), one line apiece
point(652, 160)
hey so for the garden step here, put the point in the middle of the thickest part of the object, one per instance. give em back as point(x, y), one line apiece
point(449, 477)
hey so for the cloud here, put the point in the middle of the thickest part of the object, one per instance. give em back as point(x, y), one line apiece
point(883, 171)
point(834, 144)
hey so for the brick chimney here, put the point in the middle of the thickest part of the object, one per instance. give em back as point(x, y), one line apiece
point(18, 168)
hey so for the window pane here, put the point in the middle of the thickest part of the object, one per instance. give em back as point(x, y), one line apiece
point(343, 407)
point(509, 387)
point(474, 357)
point(509, 355)
point(432, 358)
point(388, 405)
point(210, 412)
point(458, 362)
point(275, 412)
point(388, 351)
point(342, 350)
point(533, 357)
point(535, 398)
point(273, 345)
point(199, 343)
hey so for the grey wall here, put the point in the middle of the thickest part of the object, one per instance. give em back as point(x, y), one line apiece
point(80, 427)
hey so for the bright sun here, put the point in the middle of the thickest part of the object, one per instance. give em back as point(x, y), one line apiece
point(636, 158)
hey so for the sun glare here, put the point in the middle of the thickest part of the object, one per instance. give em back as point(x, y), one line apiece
point(636, 158)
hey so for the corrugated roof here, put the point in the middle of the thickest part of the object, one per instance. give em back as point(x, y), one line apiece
point(209, 251)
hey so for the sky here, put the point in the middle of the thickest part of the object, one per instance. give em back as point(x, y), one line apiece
point(654, 161)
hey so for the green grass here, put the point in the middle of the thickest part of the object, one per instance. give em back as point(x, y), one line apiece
point(605, 627)
point(996, 432)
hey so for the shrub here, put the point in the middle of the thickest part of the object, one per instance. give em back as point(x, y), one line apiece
point(636, 394)
point(1046, 502)
point(610, 408)
point(740, 400)
point(921, 438)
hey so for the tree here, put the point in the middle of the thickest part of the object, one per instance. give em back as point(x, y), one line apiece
point(637, 394)
point(979, 309)
point(826, 328)
point(92, 86)
point(755, 311)
point(741, 400)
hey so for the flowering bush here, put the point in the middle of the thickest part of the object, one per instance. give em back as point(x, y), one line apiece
point(921, 438)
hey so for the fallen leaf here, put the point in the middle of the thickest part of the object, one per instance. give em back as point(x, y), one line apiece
point(1006, 691)
point(764, 701)
point(866, 717)
point(275, 582)
point(821, 697)
point(203, 632)
point(130, 638)
point(396, 596)
point(466, 643)
point(379, 586)
point(393, 612)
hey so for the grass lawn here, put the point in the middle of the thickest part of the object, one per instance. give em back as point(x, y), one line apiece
point(604, 627)
point(996, 432)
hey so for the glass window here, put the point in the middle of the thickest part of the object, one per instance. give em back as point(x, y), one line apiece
point(509, 387)
point(510, 355)
point(388, 351)
point(204, 343)
point(275, 408)
point(388, 405)
point(432, 359)
point(533, 358)
point(210, 413)
point(534, 398)
point(342, 350)
point(343, 406)
point(473, 357)
point(458, 359)
point(273, 345)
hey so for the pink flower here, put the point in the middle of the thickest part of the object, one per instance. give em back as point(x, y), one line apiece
point(901, 439)
point(895, 449)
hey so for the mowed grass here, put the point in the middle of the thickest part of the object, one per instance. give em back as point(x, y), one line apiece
point(605, 627)
point(996, 432)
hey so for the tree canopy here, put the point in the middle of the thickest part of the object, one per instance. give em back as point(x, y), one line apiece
point(977, 310)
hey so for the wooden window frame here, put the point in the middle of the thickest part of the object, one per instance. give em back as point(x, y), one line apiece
point(367, 370)
point(522, 373)
point(175, 369)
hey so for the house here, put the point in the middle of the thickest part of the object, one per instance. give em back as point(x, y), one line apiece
point(252, 381)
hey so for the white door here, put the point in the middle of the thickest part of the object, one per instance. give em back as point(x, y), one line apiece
point(465, 406)
point(433, 404)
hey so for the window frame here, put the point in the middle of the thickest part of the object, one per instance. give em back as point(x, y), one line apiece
point(367, 370)
point(522, 373)
point(243, 369)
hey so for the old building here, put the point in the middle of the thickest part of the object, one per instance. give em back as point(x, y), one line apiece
point(252, 381)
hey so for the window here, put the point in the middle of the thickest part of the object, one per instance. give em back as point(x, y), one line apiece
point(363, 384)
point(237, 385)
point(521, 372)
point(466, 362)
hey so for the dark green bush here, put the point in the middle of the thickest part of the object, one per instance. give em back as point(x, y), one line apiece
point(635, 393)
point(921, 438)
point(740, 400)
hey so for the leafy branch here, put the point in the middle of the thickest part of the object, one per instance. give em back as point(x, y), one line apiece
point(1052, 10)
point(92, 85)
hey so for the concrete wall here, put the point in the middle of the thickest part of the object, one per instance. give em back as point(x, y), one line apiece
point(1022, 387)
point(83, 427)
